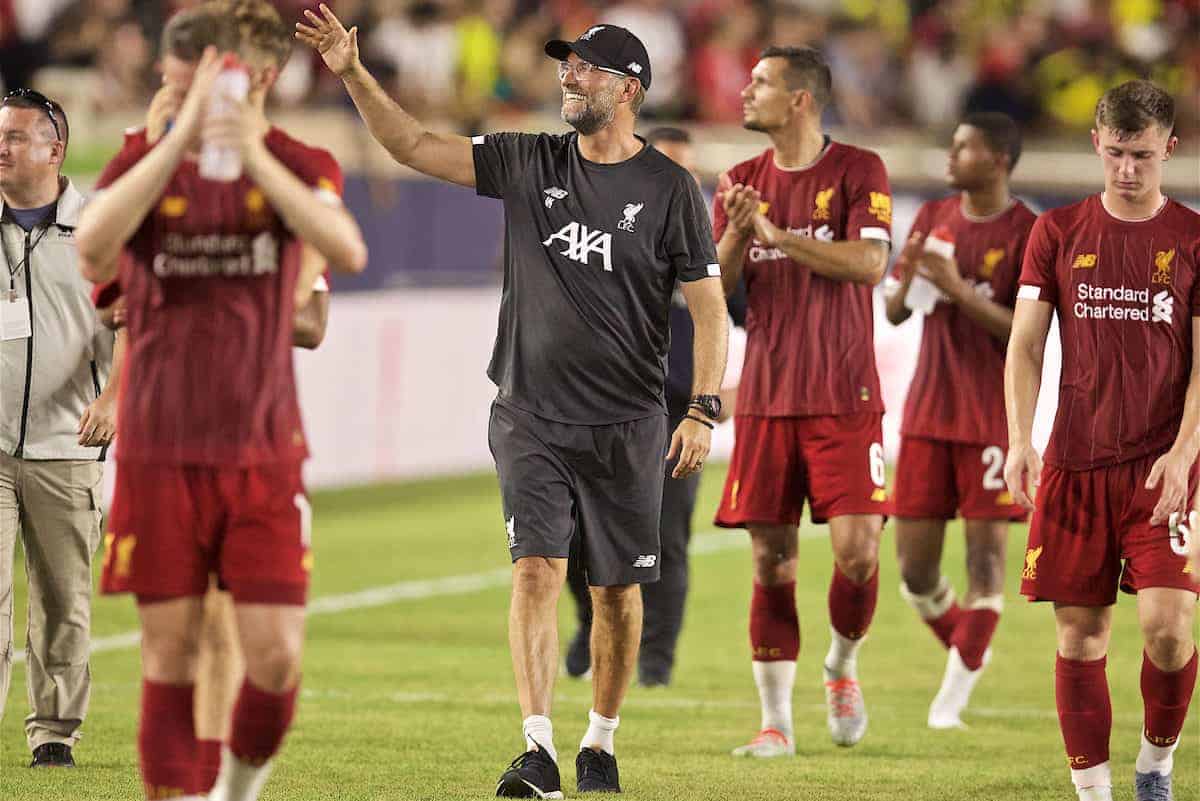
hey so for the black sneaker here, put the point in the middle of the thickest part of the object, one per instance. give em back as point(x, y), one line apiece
point(531, 775)
point(52, 755)
point(596, 772)
point(579, 653)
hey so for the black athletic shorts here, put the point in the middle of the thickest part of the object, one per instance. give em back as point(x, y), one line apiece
point(601, 483)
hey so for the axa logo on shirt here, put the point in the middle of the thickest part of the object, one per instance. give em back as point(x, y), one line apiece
point(581, 242)
point(758, 252)
point(1123, 303)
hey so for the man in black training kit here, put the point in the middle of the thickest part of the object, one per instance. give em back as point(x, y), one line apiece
point(663, 601)
point(599, 226)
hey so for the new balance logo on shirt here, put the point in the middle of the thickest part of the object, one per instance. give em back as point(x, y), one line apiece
point(646, 560)
point(581, 242)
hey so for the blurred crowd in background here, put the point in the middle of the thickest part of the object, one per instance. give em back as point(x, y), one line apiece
point(909, 63)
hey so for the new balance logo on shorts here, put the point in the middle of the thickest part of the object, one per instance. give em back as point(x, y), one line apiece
point(646, 560)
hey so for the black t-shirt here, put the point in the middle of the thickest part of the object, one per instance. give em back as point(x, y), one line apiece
point(591, 255)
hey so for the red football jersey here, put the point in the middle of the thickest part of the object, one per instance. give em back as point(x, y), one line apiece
point(209, 282)
point(1125, 293)
point(957, 391)
point(810, 340)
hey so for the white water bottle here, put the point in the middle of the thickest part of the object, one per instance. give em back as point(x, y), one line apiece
point(220, 162)
point(923, 294)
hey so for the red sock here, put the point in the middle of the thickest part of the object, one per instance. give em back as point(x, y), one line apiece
point(208, 763)
point(944, 626)
point(260, 720)
point(851, 606)
point(1166, 697)
point(774, 625)
point(1084, 710)
point(167, 740)
point(973, 635)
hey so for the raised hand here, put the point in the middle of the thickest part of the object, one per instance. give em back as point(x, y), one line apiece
point(326, 34)
point(190, 118)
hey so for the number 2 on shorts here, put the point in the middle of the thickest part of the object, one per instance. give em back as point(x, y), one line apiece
point(993, 457)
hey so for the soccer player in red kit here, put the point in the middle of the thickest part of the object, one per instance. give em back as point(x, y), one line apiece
point(808, 223)
point(953, 436)
point(209, 479)
point(1121, 270)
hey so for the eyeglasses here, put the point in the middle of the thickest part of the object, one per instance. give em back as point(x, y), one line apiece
point(583, 68)
point(39, 99)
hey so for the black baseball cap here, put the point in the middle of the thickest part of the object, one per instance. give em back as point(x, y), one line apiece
point(608, 46)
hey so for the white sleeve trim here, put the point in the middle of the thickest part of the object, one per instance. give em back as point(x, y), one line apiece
point(1029, 292)
point(875, 233)
point(478, 140)
point(714, 270)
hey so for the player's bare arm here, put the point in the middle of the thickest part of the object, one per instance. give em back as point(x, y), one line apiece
point(308, 327)
point(1172, 468)
point(112, 218)
point(99, 421)
point(862, 261)
point(692, 440)
point(444, 156)
point(740, 204)
point(1022, 383)
point(943, 273)
point(328, 229)
point(897, 311)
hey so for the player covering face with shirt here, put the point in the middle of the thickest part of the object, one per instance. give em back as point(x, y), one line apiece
point(1122, 271)
point(599, 227)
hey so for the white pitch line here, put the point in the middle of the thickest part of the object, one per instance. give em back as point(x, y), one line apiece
point(703, 543)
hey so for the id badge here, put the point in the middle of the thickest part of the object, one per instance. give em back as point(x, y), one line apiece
point(15, 320)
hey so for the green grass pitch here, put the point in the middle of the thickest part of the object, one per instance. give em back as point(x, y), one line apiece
point(414, 698)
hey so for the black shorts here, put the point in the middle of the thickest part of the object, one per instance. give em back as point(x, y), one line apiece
point(601, 483)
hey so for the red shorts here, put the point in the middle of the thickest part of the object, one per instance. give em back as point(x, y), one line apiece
point(171, 526)
point(836, 462)
point(935, 479)
point(1086, 523)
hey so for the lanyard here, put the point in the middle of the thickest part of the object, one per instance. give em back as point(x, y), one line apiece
point(12, 271)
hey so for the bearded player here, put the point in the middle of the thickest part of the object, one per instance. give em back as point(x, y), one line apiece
point(1120, 269)
point(953, 436)
point(209, 479)
point(808, 223)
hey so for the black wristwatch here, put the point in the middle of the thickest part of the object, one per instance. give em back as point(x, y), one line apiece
point(709, 405)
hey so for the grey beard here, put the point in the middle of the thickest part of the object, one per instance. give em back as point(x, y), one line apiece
point(591, 120)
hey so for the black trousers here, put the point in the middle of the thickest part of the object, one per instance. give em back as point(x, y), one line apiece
point(663, 601)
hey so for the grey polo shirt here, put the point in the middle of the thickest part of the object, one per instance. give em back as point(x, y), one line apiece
point(48, 379)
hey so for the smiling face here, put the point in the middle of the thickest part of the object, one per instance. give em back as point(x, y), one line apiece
point(30, 151)
point(1133, 162)
point(589, 101)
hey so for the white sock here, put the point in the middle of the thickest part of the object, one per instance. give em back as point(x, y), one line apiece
point(842, 658)
point(1094, 783)
point(599, 732)
point(539, 734)
point(933, 605)
point(775, 681)
point(238, 780)
point(1156, 759)
point(1095, 794)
